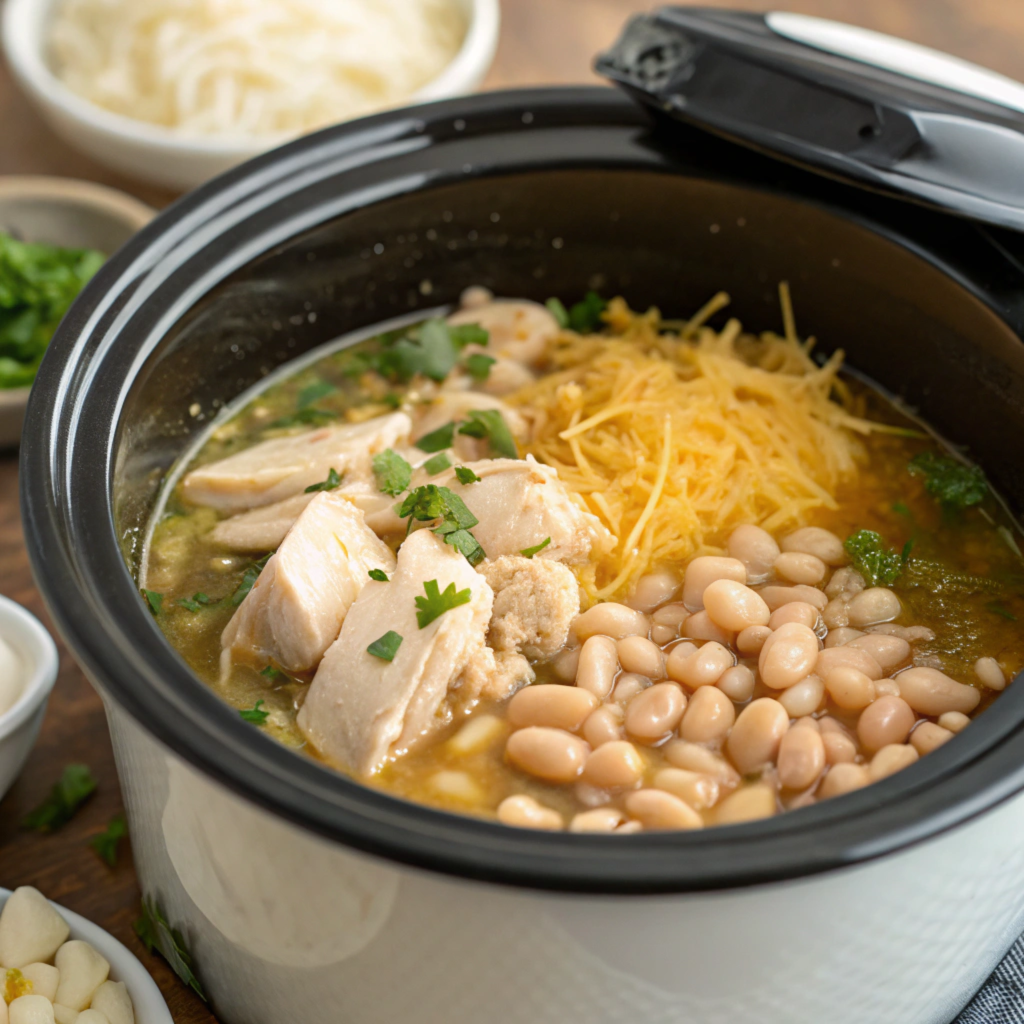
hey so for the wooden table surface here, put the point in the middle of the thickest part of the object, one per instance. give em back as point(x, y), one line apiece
point(543, 41)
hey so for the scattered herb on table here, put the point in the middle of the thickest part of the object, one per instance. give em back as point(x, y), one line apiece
point(105, 844)
point(386, 647)
point(466, 476)
point(431, 502)
point(154, 600)
point(478, 366)
point(75, 786)
point(158, 936)
point(392, 472)
point(877, 563)
point(490, 424)
point(255, 715)
point(954, 484)
point(379, 575)
point(530, 552)
point(332, 483)
point(436, 603)
point(437, 440)
point(585, 316)
point(38, 283)
point(249, 578)
point(438, 464)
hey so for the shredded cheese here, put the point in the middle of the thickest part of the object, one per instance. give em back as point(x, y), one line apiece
point(674, 438)
point(251, 67)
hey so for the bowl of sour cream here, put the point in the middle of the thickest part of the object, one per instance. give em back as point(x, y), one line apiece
point(28, 670)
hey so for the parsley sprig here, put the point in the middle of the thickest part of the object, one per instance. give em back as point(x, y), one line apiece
point(196, 602)
point(490, 424)
point(879, 564)
point(105, 844)
point(332, 483)
point(158, 936)
point(466, 476)
point(431, 502)
point(75, 786)
point(255, 715)
point(437, 602)
point(392, 473)
point(954, 484)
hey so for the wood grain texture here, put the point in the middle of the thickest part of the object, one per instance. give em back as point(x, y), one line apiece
point(543, 42)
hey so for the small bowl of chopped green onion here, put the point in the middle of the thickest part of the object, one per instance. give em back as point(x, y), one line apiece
point(55, 234)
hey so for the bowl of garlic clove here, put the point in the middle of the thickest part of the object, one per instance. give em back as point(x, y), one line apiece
point(59, 968)
point(28, 670)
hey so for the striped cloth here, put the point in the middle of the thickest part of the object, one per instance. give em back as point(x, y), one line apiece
point(1001, 999)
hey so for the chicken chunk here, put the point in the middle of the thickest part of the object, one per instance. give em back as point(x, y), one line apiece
point(535, 601)
point(362, 709)
point(518, 329)
point(296, 608)
point(450, 406)
point(283, 467)
point(520, 503)
point(260, 529)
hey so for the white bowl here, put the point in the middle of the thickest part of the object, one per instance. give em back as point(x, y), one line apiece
point(19, 725)
point(174, 159)
point(74, 214)
point(149, 1004)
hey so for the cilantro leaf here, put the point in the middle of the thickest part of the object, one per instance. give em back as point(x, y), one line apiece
point(312, 394)
point(900, 508)
point(466, 475)
point(38, 283)
point(386, 646)
point(158, 936)
point(255, 714)
point(438, 464)
point(478, 366)
point(105, 844)
point(271, 673)
point(878, 564)
point(557, 309)
point(249, 578)
point(303, 417)
point(392, 472)
point(955, 485)
point(437, 603)
point(464, 542)
point(489, 423)
point(469, 334)
point(585, 316)
point(195, 603)
point(379, 575)
point(432, 502)
point(530, 552)
point(332, 483)
point(437, 440)
point(997, 608)
point(75, 786)
point(154, 600)
point(432, 349)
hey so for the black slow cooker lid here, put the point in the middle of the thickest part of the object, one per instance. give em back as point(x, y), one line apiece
point(872, 110)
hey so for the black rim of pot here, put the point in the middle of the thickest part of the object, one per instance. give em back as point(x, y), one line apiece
point(67, 450)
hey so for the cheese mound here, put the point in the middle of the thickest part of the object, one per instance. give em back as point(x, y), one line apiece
point(251, 67)
point(674, 434)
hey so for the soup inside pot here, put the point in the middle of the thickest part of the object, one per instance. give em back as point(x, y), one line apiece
point(589, 568)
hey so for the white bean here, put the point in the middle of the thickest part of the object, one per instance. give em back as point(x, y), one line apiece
point(891, 759)
point(599, 662)
point(700, 626)
point(755, 738)
point(699, 791)
point(954, 721)
point(788, 655)
point(610, 619)
point(627, 686)
point(990, 674)
point(749, 641)
point(551, 704)
point(927, 736)
point(931, 692)
point(776, 597)
point(653, 590)
point(798, 567)
point(523, 811)
point(832, 657)
point(694, 758)
point(887, 720)
point(703, 571)
point(801, 758)
point(843, 778)
point(655, 712)
point(734, 606)
point(813, 540)
point(850, 688)
point(604, 725)
point(600, 819)
point(803, 698)
point(796, 611)
point(751, 803)
point(703, 667)
point(709, 716)
point(642, 656)
point(889, 651)
point(755, 548)
point(656, 809)
point(616, 765)
point(877, 604)
point(842, 635)
point(737, 683)
point(550, 754)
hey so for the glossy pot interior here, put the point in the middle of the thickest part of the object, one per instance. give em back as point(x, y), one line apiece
point(530, 194)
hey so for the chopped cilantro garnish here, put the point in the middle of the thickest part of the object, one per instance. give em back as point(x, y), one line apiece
point(466, 475)
point(392, 400)
point(332, 483)
point(379, 575)
point(557, 309)
point(954, 484)
point(249, 578)
point(432, 502)
point(195, 603)
point(303, 417)
point(431, 349)
point(255, 714)
point(585, 316)
point(437, 603)
point(901, 509)
point(312, 394)
point(438, 464)
point(386, 647)
point(271, 673)
point(75, 786)
point(154, 600)
point(437, 440)
point(469, 334)
point(489, 423)
point(997, 608)
point(105, 844)
point(392, 472)
point(158, 936)
point(478, 366)
point(530, 552)
point(878, 564)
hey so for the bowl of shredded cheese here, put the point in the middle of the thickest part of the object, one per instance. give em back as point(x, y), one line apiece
point(174, 92)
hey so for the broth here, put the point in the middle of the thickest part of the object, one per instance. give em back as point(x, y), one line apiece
point(963, 581)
